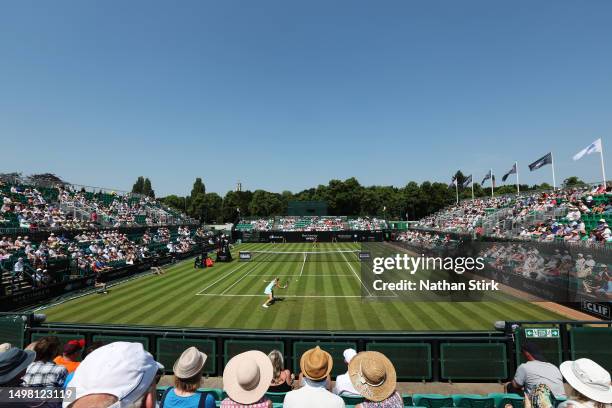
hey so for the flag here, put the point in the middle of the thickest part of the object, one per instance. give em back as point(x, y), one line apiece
point(467, 181)
point(541, 162)
point(511, 171)
point(594, 147)
point(488, 176)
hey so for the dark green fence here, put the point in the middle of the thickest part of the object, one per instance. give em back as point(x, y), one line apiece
point(422, 356)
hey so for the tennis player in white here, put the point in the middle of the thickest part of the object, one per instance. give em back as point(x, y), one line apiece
point(275, 283)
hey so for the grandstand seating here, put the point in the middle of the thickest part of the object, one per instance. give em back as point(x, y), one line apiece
point(311, 223)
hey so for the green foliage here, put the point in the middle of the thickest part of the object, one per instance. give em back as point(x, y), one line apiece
point(573, 181)
point(138, 187)
point(343, 197)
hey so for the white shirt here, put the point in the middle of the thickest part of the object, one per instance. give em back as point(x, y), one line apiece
point(344, 386)
point(312, 394)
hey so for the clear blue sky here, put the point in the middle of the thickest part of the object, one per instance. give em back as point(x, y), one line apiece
point(285, 95)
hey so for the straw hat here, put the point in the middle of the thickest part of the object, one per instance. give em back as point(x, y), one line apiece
point(373, 375)
point(588, 378)
point(316, 364)
point(247, 376)
point(190, 363)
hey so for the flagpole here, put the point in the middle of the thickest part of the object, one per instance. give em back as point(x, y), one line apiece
point(552, 162)
point(603, 168)
point(518, 190)
point(457, 190)
point(491, 173)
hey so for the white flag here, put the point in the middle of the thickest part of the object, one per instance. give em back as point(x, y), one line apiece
point(594, 147)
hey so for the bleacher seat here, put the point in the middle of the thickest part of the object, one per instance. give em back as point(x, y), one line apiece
point(502, 399)
point(432, 400)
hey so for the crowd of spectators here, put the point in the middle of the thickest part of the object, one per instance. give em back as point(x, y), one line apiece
point(88, 251)
point(312, 223)
point(126, 375)
point(61, 208)
point(571, 215)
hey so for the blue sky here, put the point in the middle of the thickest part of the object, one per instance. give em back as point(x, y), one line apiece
point(285, 95)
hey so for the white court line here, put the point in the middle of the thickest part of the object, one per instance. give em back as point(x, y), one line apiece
point(302, 270)
point(306, 276)
point(357, 276)
point(288, 296)
point(243, 276)
point(223, 277)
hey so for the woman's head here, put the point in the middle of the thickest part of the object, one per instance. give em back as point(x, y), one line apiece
point(47, 348)
point(278, 363)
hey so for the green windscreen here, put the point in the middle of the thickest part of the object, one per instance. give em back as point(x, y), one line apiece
point(334, 348)
point(131, 339)
point(234, 347)
point(11, 330)
point(411, 361)
point(464, 361)
point(169, 350)
point(594, 343)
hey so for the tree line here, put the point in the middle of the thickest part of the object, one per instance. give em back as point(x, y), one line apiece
point(343, 197)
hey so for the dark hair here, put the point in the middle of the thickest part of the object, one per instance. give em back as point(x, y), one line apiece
point(534, 350)
point(47, 348)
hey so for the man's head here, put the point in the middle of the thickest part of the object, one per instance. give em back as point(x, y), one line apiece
point(73, 349)
point(117, 375)
point(532, 352)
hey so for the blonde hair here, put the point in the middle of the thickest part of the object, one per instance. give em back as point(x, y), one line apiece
point(580, 397)
point(278, 363)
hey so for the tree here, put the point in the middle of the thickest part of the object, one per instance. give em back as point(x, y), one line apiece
point(573, 181)
point(265, 204)
point(198, 188)
point(147, 189)
point(138, 187)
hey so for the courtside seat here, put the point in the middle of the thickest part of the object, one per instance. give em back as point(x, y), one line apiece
point(276, 396)
point(559, 400)
point(407, 400)
point(432, 400)
point(473, 401)
point(352, 400)
point(502, 399)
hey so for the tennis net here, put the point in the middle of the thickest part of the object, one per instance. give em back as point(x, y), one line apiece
point(300, 256)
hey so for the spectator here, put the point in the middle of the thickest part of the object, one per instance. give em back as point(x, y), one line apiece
point(590, 384)
point(246, 379)
point(281, 377)
point(71, 355)
point(187, 376)
point(534, 372)
point(315, 366)
point(43, 372)
point(343, 385)
point(373, 375)
point(119, 374)
point(13, 365)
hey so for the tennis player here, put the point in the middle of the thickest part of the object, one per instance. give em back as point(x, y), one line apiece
point(275, 283)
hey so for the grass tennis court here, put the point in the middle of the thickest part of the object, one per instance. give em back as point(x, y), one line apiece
point(321, 295)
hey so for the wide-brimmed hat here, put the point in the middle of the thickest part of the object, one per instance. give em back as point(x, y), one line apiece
point(125, 370)
point(247, 376)
point(373, 375)
point(316, 364)
point(14, 361)
point(588, 378)
point(190, 363)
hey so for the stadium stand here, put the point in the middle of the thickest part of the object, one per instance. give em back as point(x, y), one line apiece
point(569, 215)
point(312, 223)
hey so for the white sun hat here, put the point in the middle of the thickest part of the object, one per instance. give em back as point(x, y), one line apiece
point(588, 378)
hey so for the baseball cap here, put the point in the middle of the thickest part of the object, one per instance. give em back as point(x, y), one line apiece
point(73, 346)
point(122, 369)
point(348, 355)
